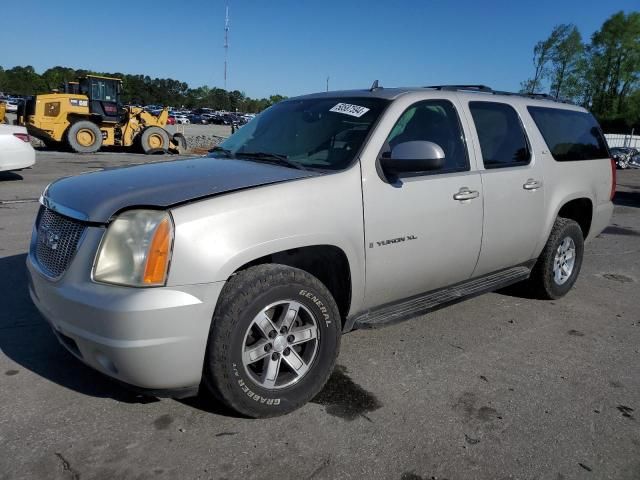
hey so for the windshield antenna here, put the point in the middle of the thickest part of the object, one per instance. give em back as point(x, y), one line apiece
point(374, 86)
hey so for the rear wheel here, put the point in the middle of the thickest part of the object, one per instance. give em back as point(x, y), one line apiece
point(559, 264)
point(274, 340)
point(84, 137)
point(154, 140)
point(180, 143)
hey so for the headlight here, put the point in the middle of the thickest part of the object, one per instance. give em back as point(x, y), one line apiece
point(136, 249)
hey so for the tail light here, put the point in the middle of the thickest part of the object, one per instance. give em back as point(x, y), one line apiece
point(23, 136)
point(613, 178)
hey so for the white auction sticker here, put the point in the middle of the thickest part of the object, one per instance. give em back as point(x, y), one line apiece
point(348, 109)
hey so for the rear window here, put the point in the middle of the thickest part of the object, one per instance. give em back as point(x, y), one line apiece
point(570, 135)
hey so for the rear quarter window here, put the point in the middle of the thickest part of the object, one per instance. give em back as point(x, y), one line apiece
point(570, 135)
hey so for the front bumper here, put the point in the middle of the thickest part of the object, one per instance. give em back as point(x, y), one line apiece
point(151, 338)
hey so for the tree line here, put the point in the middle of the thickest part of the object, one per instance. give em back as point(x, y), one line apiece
point(602, 75)
point(137, 89)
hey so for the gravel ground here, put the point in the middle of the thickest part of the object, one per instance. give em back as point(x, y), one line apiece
point(498, 387)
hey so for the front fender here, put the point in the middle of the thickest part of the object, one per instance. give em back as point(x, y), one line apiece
point(216, 236)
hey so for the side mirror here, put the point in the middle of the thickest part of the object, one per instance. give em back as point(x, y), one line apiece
point(412, 157)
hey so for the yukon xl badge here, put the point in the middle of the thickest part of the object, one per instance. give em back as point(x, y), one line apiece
point(391, 241)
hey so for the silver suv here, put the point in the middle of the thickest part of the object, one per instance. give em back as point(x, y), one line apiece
point(237, 273)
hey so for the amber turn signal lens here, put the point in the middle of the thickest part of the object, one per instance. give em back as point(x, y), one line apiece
point(158, 257)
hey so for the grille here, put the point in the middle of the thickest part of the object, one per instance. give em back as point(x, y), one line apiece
point(57, 241)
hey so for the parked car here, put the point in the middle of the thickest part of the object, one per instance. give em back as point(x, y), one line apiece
point(12, 106)
point(218, 119)
point(181, 119)
point(240, 272)
point(198, 119)
point(171, 120)
point(623, 156)
point(16, 152)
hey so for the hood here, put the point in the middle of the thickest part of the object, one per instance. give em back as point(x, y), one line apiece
point(97, 196)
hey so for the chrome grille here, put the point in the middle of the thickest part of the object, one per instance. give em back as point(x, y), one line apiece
point(57, 240)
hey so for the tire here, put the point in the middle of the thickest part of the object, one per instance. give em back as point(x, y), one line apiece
point(154, 140)
point(548, 280)
point(84, 137)
point(181, 143)
point(245, 387)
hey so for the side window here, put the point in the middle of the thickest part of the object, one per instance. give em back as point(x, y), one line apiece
point(434, 121)
point(570, 134)
point(502, 138)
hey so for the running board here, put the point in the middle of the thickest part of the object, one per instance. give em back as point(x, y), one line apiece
point(427, 302)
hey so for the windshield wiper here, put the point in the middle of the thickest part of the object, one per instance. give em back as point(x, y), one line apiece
point(276, 158)
point(225, 151)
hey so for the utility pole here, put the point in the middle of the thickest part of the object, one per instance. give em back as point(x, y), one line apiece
point(226, 44)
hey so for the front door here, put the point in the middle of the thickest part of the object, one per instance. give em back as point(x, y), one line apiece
point(422, 231)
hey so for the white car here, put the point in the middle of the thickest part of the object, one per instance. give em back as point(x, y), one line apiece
point(12, 106)
point(16, 151)
point(181, 119)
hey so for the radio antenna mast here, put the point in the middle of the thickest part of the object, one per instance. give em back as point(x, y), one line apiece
point(226, 43)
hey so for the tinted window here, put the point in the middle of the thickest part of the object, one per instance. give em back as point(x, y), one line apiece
point(570, 135)
point(323, 133)
point(433, 121)
point(502, 138)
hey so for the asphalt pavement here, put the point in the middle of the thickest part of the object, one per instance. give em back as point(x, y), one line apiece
point(498, 387)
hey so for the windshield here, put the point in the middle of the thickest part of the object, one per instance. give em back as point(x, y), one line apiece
point(324, 133)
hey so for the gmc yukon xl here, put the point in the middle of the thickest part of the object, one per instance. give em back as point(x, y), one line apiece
point(236, 274)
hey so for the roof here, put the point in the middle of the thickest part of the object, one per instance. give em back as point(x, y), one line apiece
point(102, 77)
point(469, 91)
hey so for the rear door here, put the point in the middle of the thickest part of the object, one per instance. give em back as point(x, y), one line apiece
point(513, 186)
point(418, 237)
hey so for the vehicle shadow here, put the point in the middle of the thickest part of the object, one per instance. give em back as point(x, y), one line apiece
point(27, 339)
point(627, 199)
point(519, 290)
point(9, 177)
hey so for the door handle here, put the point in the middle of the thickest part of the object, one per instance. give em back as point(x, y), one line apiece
point(532, 184)
point(466, 194)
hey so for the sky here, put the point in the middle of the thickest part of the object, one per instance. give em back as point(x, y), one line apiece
point(290, 47)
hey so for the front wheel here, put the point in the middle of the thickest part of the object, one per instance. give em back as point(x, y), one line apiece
point(559, 264)
point(273, 342)
point(154, 140)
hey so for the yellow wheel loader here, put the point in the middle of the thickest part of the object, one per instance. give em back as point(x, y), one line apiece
point(3, 112)
point(88, 115)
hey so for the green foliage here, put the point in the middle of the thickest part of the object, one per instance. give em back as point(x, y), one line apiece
point(137, 89)
point(603, 75)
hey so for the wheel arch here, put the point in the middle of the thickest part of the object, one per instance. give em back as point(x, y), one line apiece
point(581, 211)
point(328, 263)
point(572, 206)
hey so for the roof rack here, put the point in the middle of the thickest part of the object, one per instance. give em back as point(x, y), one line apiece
point(475, 88)
point(485, 89)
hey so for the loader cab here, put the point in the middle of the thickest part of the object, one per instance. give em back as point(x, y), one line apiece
point(71, 87)
point(104, 96)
